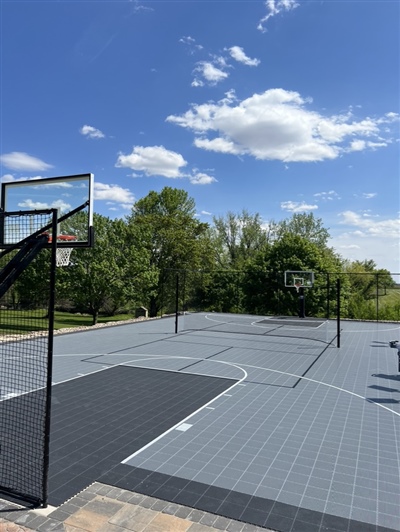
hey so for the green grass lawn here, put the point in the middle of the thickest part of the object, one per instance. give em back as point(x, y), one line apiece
point(23, 321)
point(392, 297)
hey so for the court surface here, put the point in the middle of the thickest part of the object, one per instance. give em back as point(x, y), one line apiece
point(264, 421)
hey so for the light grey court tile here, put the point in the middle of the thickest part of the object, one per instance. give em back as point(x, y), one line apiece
point(316, 493)
point(168, 469)
point(340, 498)
point(276, 473)
point(320, 482)
point(206, 478)
point(310, 503)
point(293, 487)
point(267, 492)
point(363, 515)
point(365, 491)
point(389, 508)
point(363, 503)
point(341, 510)
point(290, 498)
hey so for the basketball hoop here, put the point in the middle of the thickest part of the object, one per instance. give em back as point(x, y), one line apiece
point(63, 254)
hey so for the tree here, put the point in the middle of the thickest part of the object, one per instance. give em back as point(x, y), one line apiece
point(97, 276)
point(264, 288)
point(169, 237)
point(238, 237)
point(306, 226)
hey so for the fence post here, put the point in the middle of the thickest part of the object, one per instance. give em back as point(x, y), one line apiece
point(176, 303)
point(338, 312)
point(328, 292)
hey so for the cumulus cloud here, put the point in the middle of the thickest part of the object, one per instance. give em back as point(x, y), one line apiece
point(274, 7)
point(153, 160)
point(369, 195)
point(211, 74)
point(296, 206)
point(114, 193)
point(238, 55)
point(37, 205)
point(91, 132)
point(200, 178)
point(18, 160)
point(277, 125)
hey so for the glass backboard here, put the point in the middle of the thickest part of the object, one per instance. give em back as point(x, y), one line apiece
point(297, 279)
point(72, 196)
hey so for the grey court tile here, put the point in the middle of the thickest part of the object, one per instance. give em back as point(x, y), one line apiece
point(316, 431)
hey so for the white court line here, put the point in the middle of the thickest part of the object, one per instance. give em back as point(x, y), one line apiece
point(224, 393)
point(343, 323)
point(163, 357)
point(188, 417)
point(266, 327)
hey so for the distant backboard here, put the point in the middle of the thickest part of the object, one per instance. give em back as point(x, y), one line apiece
point(297, 279)
point(72, 196)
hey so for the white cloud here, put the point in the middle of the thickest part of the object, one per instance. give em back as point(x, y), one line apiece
point(327, 196)
point(190, 42)
point(369, 195)
point(366, 238)
point(153, 160)
point(206, 213)
point(209, 72)
point(370, 227)
point(7, 178)
point(200, 178)
point(37, 205)
point(295, 206)
point(197, 83)
point(275, 125)
point(113, 193)
point(91, 132)
point(18, 160)
point(238, 54)
point(274, 7)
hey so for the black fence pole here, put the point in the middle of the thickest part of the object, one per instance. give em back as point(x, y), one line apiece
point(49, 377)
point(338, 312)
point(377, 296)
point(176, 303)
point(328, 293)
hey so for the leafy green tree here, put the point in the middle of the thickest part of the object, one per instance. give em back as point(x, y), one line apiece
point(238, 237)
point(97, 277)
point(367, 284)
point(165, 229)
point(306, 226)
point(264, 288)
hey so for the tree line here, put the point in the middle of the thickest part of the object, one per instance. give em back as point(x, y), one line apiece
point(235, 264)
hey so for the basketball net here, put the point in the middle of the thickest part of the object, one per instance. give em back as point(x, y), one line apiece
point(298, 286)
point(63, 255)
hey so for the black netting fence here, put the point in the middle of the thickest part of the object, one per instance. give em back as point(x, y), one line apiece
point(26, 325)
point(363, 296)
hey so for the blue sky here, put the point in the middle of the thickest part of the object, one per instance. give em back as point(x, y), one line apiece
point(272, 106)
